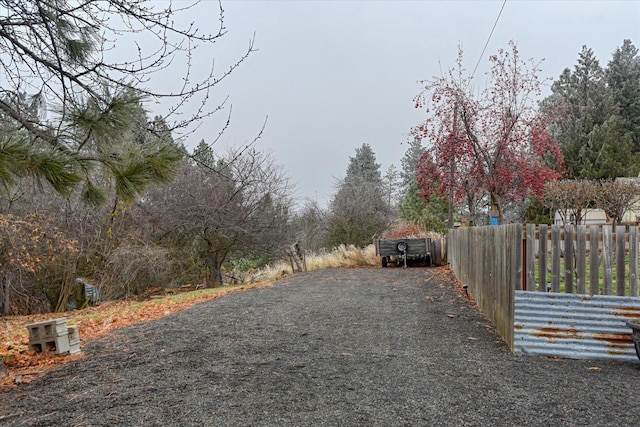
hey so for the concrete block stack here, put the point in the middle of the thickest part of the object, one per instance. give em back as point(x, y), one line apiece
point(53, 336)
point(74, 339)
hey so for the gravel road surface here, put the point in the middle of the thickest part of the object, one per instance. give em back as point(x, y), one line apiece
point(342, 347)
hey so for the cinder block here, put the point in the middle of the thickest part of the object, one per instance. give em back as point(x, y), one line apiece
point(74, 333)
point(47, 330)
point(74, 346)
point(56, 345)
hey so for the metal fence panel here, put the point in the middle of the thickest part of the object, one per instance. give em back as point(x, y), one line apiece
point(574, 326)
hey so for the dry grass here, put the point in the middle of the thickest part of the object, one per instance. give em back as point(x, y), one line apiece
point(342, 256)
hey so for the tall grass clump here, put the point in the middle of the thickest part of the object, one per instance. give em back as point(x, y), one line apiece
point(341, 256)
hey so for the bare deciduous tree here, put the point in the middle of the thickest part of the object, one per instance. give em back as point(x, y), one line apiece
point(570, 198)
point(234, 205)
point(310, 226)
point(617, 196)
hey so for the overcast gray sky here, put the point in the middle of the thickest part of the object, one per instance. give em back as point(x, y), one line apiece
point(332, 75)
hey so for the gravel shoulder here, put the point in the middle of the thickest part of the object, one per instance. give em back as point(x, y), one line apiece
point(357, 347)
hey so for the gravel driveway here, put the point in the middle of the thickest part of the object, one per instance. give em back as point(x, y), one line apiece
point(347, 347)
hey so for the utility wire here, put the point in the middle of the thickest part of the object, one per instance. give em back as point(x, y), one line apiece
point(489, 38)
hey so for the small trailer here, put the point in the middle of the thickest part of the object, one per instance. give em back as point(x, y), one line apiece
point(403, 251)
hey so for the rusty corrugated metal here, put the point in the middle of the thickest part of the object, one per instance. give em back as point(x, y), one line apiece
point(574, 326)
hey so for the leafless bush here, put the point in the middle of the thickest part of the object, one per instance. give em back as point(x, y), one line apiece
point(36, 265)
point(570, 198)
point(131, 270)
point(616, 197)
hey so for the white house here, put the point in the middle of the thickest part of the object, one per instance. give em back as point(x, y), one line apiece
point(591, 217)
point(599, 217)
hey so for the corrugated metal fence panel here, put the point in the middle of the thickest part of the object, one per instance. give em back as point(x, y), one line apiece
point(574, 326)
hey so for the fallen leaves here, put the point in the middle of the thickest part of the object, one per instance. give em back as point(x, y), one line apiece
point(24, 365)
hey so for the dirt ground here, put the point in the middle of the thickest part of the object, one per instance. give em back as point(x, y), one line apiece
point(357, 347)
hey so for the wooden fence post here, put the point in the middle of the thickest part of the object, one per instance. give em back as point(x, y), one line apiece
point(530, 284)
point(556, 253)
point(594, 268)
point(568, 259)
point(633, 261)
point(607, 246)
point(620, 263)
point(581, 259)
point(542, 258)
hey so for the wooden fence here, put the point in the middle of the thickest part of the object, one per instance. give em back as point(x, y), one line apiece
point(494, 262)
point(488, 261)
point(580, 259)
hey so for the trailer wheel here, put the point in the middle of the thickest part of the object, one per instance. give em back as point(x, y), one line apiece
point(427, 261)
point(384, 261)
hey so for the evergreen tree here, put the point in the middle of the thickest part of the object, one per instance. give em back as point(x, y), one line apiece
point(435, 215)
point(81, 118)
point(363, 167)
point(409, 163)
point(536, 213)
point(623, 79)
point(203, 156)
point(412, 205)
point(358, 211)
point(127, 156)
point(431, 215)
point(584, 120)
point(391, 186)
point(23, 156)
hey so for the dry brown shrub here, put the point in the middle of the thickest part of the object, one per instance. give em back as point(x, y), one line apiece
point(404, 229)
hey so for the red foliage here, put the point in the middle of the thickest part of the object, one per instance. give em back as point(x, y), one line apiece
point(428, 176)
point(495, 143)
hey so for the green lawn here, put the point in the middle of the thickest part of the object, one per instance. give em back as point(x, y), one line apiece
point(614, 268)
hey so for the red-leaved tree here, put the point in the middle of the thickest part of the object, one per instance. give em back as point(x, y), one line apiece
point(493, 144)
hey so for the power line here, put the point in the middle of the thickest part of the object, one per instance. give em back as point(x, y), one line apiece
point(489, 38)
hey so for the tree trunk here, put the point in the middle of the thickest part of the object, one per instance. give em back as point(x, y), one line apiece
point(471, 203)
point(3, 297)
point(63, 296)
point(213, 260)
point(496, 206)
